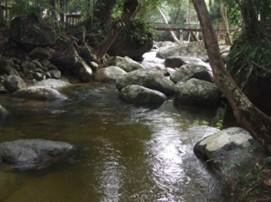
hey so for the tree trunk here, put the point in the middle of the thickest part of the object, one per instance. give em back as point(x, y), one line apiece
point(250, 17)
point(129, 11)
point(225, 22)
point(247, 114)
point(103, 11)
point(173, 35)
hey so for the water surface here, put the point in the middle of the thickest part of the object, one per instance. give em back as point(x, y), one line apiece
point(127, 153)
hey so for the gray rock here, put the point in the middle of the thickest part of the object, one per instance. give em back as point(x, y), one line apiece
point(195, 49)
point(197, 92)
point(28, 66)
point(174, 62)
point(153, 79)
point(231, 152)
point(38, 76)
point(55, 74)
point(40, 53)
point(40, 93)
point(14, 83)
point(190, 71)
point(52, 83)
point(34, 154)
point(111, 73)
point(142, 96)
point(125, 63)
point(7, 68)
point(31, 32)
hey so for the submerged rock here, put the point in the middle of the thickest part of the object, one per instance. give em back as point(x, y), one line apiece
point(142, 96)
point(111, 73)
point(13, 83)
point(197, 92)
point(34, 154)
point(125, 63)
point(52, 83)
point(40, 93)
point(231, 152)
point(153, 79)
point(190, 71)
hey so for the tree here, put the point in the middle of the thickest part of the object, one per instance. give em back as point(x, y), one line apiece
point(245, 112)
point(129, 11)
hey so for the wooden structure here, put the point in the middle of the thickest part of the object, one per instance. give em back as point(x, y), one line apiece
point(73, 18)
point(192, 31)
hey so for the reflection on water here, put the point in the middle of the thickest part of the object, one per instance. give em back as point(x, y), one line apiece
point(127, 153)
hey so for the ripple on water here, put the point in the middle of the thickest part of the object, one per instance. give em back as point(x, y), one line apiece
point(133, 154)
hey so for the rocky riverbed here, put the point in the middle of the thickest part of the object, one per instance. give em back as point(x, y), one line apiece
point(131, 122)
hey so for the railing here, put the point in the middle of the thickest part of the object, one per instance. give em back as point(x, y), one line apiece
point(73, 18)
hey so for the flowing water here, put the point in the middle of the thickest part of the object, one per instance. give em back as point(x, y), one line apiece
point(127, 153)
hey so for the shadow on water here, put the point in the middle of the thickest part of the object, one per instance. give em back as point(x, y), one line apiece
point(129, 153)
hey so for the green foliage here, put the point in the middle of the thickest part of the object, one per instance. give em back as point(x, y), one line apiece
point(139, 31)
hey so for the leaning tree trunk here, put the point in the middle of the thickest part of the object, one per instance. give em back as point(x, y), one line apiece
point(129, 11)
point(245, 112)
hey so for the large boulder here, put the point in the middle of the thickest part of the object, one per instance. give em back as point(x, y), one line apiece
point(13, 83)
point(197, 92)
point(67, 58)
point(195, 49)
point(34, 154)
point(190, 71)
point(125, 63)
point(53, 83)
point(142, 96)
point(230, 152)
point(153, 79)
point(31, 31)
point(40, 53)
point(39, 93)
point(111, 73)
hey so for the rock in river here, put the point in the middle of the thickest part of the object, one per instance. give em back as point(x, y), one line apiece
point(197, 92)
point(111, 73)
point(13, 83)
point(231, 152)
point(174, 62)
point(142, 96)
point(34, 154)
point(190, 71)
point(153, 79)
point(39, 93)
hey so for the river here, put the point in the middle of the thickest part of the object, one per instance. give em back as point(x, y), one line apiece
point(126, 153)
